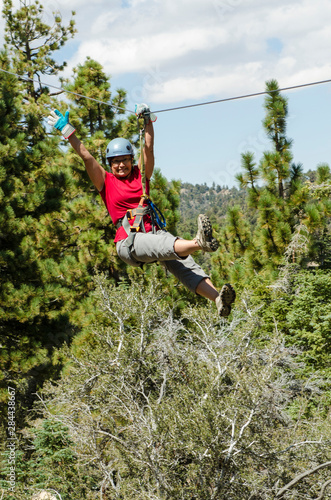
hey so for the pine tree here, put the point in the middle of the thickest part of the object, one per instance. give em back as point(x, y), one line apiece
point(31, 43)
point(275, 165)
point(275, 187)
point(279, 201)
point(275, 221)
point(34, 305)
point(54, 228)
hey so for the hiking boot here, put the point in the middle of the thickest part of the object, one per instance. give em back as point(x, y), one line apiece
point(204, 237)
point(223, 302)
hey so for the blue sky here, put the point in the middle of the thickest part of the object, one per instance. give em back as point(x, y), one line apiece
point(177, 52)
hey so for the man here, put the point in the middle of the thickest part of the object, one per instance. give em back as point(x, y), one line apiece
point(126, 199)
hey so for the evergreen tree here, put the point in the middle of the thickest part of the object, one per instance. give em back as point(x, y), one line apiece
point(275, 217)
point(54, 228)
point(31, 43)
point(35, 299)
point(33, 312)
point(30, 290)
point(275, 165)
point(278, 195)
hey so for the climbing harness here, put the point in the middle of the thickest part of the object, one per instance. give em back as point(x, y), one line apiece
point(157, 218)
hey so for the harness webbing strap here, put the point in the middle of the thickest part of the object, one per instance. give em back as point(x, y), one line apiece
point(138, 220)
point(137, 214)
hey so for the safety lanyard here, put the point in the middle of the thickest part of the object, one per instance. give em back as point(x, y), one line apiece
point(142, 165)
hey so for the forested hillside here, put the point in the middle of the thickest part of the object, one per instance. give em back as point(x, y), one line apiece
point(118, 383)
point(213, 201)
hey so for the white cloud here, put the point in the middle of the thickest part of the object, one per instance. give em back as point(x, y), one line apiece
point(137, 54)
point(214, 47)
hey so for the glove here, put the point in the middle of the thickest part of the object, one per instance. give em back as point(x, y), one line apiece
point(60, 122)
point(144, 111)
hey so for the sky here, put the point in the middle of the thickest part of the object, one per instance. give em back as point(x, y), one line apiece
point(172, 53)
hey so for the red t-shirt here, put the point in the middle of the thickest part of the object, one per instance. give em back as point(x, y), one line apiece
point(119, 195)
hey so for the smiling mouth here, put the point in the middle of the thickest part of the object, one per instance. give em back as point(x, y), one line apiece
point(124, 172)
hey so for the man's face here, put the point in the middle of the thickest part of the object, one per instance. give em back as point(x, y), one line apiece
point(121, 166)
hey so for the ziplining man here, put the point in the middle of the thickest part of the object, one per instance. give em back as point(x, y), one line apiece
point(140, 237)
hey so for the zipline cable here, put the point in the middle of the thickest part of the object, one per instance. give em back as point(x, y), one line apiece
point(242, 96)
point(245, 96)
point(63, 90)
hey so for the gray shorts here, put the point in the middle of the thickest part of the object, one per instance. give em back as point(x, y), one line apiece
point(149, 247)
